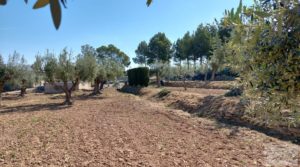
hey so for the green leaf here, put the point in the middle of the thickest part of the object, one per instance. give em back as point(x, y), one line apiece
point(40, 4)
point(3, 2)
point(262, 14)
point(149, 2)
point(56, 12)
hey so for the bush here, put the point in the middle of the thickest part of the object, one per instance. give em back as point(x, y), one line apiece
point(163, 93)
point(234, 92)
point(138, 76)
point(227, 71)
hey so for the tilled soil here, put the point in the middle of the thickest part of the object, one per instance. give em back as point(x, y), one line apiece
point(118, 129)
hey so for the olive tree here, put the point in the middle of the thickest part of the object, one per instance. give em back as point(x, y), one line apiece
point(64, 69)
point(4, 76)
point(111, 65)
point(21, 73)
point(37, 69)
point(265, 47)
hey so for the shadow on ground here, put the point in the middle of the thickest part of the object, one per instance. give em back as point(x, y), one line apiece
point(11, 98)
point(231, 115)
point(80, 97)
point(33, 108)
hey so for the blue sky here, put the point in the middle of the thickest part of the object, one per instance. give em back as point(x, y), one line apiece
point(123, 23)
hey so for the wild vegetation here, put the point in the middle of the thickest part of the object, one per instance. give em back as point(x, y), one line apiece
point(260, 43)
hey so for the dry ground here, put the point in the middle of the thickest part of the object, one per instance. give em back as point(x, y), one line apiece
point(118, 129)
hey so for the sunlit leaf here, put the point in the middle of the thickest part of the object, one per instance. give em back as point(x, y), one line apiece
point(56, 12)
point(40, 4)
point(262, 14)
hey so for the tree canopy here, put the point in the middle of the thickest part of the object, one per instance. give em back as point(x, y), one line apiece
point(141, 53)
point(159, 49)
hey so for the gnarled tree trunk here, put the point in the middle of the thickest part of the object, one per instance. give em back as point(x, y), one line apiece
point(23, 88)
point(68, 94)
point(68, 100)
point(68, 91)
point(102, 84)
point(96, 87)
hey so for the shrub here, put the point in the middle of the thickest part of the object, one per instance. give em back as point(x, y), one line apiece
point(234, 92)
point(138, 76)
point(163, 93)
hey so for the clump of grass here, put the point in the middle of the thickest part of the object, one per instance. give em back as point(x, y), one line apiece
point(163, 93)
point(234, 92)
point(35, 119)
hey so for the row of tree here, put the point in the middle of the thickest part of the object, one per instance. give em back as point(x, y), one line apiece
point(15, 74)
point(94, 65)
point(204, 45)
point(260, 42)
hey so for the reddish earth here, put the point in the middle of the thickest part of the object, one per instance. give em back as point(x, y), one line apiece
point(118, 129)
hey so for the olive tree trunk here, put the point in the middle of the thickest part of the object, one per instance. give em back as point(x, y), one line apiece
point(68, 91)
point(68, 94)
point(102, 85)
point(23, 88)
point(96, 87)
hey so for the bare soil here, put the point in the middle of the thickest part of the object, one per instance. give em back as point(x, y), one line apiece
point(116, 129)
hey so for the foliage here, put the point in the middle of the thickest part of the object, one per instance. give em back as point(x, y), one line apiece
point(113, 53)
point(234, 92)
point(20, 74)
point(86, 64)
point(265, 48)
point(65, 69)
point(112, 61)
point(159, 49)
point(138, 76)
point(141, 53)
point(49, 67)
point(37, 68)
point(202, 42)
point(187, 45)
point(163, 93)
point(3, 72)
point(218, 55)
point(178, 52)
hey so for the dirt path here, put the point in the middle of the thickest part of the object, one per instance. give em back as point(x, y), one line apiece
point(124, 130)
